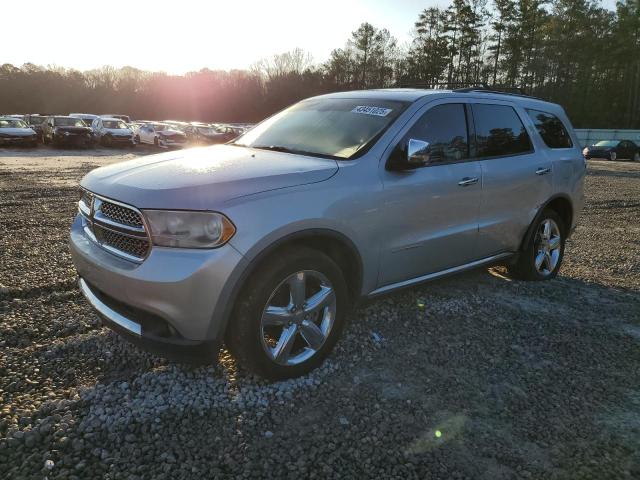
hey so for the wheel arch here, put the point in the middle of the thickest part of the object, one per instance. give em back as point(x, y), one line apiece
point(559, 203)
point(336, 245)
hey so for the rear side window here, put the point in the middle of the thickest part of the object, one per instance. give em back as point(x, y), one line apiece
point(445, 128)
point(550, 129)
point(499, 131)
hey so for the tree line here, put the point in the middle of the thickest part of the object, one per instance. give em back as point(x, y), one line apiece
point(573, 52)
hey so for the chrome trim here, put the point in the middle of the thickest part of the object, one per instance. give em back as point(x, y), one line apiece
point(433, 276)
point(133, 232)
point(105, 223)
point(120, 253)
point(106, 311)
point(84, 208)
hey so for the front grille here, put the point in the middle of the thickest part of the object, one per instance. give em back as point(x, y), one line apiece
point(120, 214)
point(131, 246)
point(116, 227)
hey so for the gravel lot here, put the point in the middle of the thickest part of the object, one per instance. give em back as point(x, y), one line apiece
point(471, 377)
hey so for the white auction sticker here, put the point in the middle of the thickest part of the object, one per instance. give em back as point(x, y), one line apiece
point(367, 110)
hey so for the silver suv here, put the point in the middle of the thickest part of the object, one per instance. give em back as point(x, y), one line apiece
point(266, 242)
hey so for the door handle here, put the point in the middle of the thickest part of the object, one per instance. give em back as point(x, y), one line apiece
point(466, 181)
point(543, 171)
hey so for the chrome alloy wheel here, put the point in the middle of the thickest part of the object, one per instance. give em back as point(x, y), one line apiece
point(298, 317)
point(547, 247)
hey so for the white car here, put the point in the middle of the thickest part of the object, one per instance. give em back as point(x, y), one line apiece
point(112, 132)
point(161, 135)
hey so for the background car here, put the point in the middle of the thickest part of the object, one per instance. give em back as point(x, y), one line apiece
point(14, 131)
point(87, 118)
point(64, 130)
point(613, 150)
point(203, 134)
point(35, 122)
point(125, 118)
point(112, 132)
point(161, 135)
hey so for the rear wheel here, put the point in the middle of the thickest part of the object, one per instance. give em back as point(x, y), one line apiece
point(289, 315)
point(542, 256)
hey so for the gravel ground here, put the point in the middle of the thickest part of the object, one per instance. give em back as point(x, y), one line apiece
point(471, 377)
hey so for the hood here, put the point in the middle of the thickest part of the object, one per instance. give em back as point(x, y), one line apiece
point(16, 132)
point(118, 131)
point(62, 128)
point(170, 132)
point(203, 178)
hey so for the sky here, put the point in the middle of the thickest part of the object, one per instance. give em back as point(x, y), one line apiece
point(178, 36)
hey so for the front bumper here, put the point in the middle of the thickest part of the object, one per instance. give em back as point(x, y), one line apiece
point(18, 140)
point(170, 143)
point(72, 139)
point(176, 298)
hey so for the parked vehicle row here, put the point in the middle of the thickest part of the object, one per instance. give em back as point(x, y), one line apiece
point(111, 130)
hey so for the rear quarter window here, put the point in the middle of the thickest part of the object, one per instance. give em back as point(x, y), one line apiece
point(551, 129)
point(499, 131)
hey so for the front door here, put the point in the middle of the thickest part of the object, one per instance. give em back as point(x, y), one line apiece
point(431, 212)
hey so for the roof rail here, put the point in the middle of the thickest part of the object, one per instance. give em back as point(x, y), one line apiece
point(515, 91)
point(469, 87)
point(443, 85)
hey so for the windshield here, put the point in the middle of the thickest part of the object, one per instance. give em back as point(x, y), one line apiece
point(4, 123)
point(68, 122)
point(325, 127)
point(36, 120)
point(207, 130)
point(114, 124)
point(606, 143)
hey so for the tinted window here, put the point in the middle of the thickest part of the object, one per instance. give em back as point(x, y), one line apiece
point(445, 128)
point(499, 131)
point(550, 129)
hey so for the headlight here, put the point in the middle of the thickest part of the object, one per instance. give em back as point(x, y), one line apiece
point(189, 229)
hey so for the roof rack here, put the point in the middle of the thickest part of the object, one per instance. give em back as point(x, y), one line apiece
point(515, 91)
point(470, 87)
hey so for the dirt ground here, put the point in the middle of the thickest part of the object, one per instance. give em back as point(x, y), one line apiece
point(475, 376)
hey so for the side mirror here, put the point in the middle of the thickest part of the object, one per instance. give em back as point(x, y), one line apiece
point(413, 154)
point(418, 152)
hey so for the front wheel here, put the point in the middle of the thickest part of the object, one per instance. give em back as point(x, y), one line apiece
point(542, 256)
point(290, 314)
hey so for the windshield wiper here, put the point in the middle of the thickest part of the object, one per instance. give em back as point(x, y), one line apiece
point(276, 148)
point(280, 148)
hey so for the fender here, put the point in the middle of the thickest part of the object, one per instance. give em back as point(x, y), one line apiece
point(530, 232)
point(223, 312)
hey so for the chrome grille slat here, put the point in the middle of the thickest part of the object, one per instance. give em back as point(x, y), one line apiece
point(116, 227)
point(120, 214)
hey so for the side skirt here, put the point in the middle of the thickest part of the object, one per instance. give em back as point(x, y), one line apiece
point(442, 273)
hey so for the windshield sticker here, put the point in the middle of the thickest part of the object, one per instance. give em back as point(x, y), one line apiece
point(366, 110)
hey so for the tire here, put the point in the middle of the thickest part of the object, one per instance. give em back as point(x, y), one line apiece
point(254, 337)
point(613, 156)
point(526, 265)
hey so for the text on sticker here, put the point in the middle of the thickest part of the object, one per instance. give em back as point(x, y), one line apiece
point(366, 110)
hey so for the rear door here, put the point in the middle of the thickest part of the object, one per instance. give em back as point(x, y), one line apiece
point(431, 212)
point(516, 175)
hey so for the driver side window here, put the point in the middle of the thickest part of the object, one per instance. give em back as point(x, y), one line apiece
point(444, 127)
